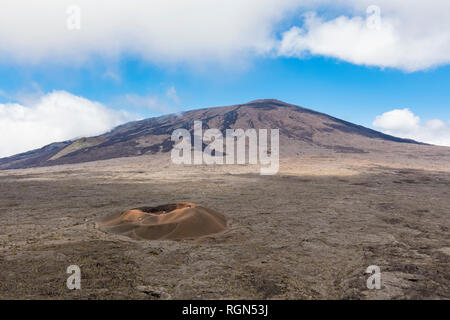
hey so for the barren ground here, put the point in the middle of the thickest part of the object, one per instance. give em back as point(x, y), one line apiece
point(309, 232)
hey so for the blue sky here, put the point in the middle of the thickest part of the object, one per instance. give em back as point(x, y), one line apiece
point(385, 67)
point(354, 93)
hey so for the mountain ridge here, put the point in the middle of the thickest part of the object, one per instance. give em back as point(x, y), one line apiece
point(305, 128)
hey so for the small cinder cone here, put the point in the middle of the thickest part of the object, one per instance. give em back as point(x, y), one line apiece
point(171, 221)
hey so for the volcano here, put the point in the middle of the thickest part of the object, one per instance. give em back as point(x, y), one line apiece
point(302, 131)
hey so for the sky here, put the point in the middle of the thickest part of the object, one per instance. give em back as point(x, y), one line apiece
point(79, 68)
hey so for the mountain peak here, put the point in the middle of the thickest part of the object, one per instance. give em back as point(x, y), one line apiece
point(266, 102)
point(301, 130)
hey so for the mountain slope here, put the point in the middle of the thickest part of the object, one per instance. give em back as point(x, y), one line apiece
point(301, 131)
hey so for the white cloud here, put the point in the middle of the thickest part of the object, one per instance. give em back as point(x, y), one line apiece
point(398, 120)
point(57, 116)
point(403, 123)
point(413, 34)
point(114, 76)
point(158, 30)
point(171, 93)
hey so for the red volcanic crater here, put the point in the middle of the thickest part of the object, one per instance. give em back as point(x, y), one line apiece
point(167, 222)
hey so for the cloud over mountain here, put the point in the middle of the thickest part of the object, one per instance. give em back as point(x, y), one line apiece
point(410, 35)
point(56, 116)
point(404, 123)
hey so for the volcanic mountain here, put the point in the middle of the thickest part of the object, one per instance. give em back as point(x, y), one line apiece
point(302, 131)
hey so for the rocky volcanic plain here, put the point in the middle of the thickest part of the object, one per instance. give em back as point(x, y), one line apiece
point(309, 232)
